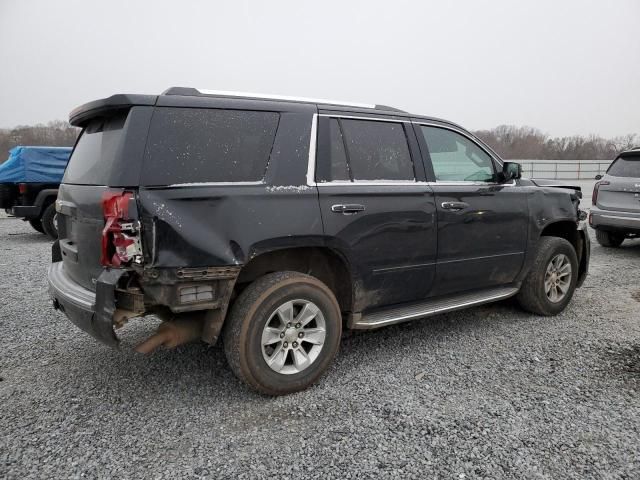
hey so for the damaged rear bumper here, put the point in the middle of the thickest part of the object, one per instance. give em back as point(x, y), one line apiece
point(90, 311)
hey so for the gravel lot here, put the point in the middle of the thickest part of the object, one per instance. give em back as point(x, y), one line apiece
point(490, 392)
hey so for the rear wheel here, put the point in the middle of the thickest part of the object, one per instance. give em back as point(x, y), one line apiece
point(550, 284)
point(609, 239)
point(282, 332)
point(48, 223)
point(36, 224)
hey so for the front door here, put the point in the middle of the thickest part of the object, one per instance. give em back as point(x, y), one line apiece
point(482, 224)
point(377, 207)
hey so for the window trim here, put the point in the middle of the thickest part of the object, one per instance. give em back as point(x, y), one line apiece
point(313, 147)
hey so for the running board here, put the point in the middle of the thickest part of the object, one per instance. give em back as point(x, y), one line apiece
point(406, 312)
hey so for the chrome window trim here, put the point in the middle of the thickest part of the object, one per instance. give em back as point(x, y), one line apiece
point(375, 119)
point(367, 183)
point(372, 183)
point(313, 147)
point(462, 183)
point(311, 168)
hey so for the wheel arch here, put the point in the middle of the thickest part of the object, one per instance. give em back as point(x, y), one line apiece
point(325, 264)
point(568, 230)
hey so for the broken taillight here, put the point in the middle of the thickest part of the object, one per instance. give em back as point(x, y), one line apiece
point(121, 233)
point(596, 187)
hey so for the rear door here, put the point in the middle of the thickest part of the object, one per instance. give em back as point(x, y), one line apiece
point(482, 224)
point(620, 190)
point(106, 161)
point(376, 206)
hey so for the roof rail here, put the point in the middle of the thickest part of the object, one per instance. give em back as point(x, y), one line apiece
point(391, 109)
point(287, 98)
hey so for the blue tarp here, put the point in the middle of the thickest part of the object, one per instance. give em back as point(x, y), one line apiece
point(35, 164)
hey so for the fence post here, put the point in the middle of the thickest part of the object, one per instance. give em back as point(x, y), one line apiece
point(578, 170)
point(556, 174)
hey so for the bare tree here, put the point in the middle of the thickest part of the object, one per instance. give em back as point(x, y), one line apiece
point(530, 143)
point(57, 133)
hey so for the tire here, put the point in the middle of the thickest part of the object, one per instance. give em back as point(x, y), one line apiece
point(609, 239)
point(48, 224)
point(533, 295)
point(6, 195)
point(36, 223)
point(256, 309)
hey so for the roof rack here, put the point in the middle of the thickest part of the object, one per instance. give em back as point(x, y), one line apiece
point(287, 98)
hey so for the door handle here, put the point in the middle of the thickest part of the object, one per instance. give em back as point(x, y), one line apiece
point(348, 209)
point(454, 205)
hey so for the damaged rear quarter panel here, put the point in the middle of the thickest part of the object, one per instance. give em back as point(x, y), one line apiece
point(215, 225)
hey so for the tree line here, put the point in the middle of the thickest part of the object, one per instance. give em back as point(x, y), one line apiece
point(509, 141)
point(57, 133)
point(515, 143)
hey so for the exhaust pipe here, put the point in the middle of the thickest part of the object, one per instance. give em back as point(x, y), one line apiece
point(173, 333)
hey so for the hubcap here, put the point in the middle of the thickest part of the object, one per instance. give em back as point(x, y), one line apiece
point(557, 278)
point(293, 336)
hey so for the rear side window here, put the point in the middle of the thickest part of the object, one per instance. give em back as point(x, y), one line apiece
point(377, 150)
point(625, 167)
point(194, 145)
point(96, 151)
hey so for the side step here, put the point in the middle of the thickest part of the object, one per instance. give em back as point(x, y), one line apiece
point(406, 312)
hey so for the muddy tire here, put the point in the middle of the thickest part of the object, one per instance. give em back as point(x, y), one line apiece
point(609, 239)
point(551, 282)
point(282, 332)
point(48, 224)
point(36, 224)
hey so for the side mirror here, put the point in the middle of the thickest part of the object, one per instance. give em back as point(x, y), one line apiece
point(598, 177)
point(511, 171)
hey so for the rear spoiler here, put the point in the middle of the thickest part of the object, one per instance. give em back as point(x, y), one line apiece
point(80, 115)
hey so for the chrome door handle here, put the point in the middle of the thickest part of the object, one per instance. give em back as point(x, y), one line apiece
point(454, 205)
point(348, 209)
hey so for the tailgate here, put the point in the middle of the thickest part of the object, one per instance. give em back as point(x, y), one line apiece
point(105, 162)
point(619, 194)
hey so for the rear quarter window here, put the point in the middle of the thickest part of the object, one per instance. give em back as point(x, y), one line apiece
point(195, 145)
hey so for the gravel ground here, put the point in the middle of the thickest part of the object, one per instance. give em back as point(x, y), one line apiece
point(489, 392)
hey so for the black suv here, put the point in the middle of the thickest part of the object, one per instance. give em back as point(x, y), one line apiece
point(274, 222)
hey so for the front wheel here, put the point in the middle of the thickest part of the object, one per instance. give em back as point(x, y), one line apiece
point(609, 239)
point(282, 332)
point(550, 284)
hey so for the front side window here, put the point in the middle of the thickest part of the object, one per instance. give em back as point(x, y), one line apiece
point(456, 158)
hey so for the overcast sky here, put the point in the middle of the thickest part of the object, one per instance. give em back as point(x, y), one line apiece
point(564, 66)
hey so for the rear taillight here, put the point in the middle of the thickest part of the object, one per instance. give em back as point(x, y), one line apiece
point(596, 187)
point(22, 188)
point(121, 234)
